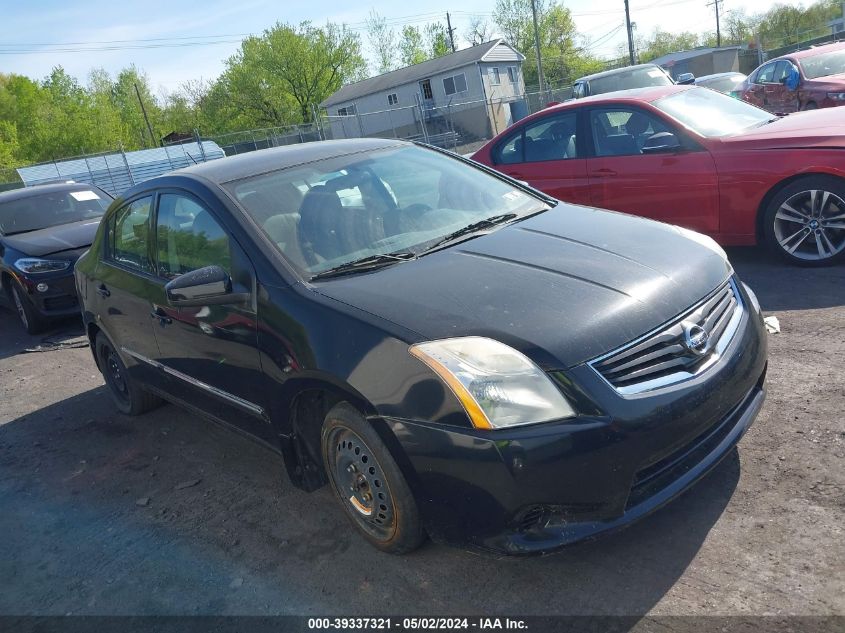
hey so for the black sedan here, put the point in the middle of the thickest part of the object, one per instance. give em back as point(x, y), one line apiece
point(43, 230)
point(456, 354)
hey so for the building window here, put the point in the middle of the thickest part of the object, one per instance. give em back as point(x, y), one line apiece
point(512, 74)
point(455, 84)
point(495, 78)
point(392, 99)
point(347, 111)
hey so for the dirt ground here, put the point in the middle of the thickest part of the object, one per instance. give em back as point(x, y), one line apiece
point(169, 514)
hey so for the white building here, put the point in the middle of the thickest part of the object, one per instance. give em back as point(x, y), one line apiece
point(469, 92)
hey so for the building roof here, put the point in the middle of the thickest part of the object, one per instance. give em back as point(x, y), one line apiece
point(679, 56)
point(409, 74)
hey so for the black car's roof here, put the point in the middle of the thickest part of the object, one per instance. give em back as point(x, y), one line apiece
point(251, 163)
point(37, 190)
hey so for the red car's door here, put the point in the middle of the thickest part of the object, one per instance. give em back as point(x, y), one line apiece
point(680, 187)
point(545, 153)
point(756, 91)
point(778, 98)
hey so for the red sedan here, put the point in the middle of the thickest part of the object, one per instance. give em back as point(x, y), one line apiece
point(820, 81)
point(693, 157)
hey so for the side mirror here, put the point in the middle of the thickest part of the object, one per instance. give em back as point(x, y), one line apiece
point(662, 142)
point(205, 286)
point(685, 79)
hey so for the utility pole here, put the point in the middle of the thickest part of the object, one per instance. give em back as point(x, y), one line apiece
point(451, 31)
point(715, 3)
point(630, 33)
point(146, 118)
point(537, 49)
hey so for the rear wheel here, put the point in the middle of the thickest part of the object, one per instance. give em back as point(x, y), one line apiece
point(811, 105)
point(805, 221)
point(32, 322)
point(368, 483)
point(128, 397)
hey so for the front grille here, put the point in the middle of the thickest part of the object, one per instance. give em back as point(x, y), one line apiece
point(670, 354)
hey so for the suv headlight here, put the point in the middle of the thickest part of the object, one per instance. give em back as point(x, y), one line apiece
point(31, 265)
point(836, 96)
point(498, 386)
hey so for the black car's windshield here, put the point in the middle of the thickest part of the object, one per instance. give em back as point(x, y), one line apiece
point(712, 113)
point(725, 84)
point(52, 208)
point(327, 214)
point(832, 63)
point(626, 79)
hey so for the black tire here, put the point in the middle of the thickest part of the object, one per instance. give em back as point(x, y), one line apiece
point(31, 321)
point(811, 105)
point(358, 464)
point(802, 232)
point(128, 397)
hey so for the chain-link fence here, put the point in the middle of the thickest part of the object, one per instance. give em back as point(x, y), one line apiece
point(461, 126)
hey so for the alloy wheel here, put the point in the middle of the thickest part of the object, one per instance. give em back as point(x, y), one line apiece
point(361, 483)
point(810, 225)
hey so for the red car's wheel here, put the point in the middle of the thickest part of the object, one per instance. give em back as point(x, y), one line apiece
point(805, 221)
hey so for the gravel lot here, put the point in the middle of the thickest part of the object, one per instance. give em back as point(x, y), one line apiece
point(169, 514)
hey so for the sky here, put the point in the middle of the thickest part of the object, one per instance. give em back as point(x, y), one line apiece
point(175, 40)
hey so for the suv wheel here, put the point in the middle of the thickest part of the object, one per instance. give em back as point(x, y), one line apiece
point(32, 322)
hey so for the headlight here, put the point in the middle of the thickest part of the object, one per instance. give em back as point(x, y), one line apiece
point(31, 265)
point(498, 386)
point(836, 96)
point(704, 240)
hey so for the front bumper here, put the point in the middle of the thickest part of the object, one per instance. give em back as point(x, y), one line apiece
point(531, 490)
point(60, 298)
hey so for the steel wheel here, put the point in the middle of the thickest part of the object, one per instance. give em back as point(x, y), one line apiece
point(361, 482)
point(368, 482)
point(113, 373)
point(810, 225)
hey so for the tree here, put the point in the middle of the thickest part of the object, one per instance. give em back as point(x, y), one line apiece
point(563, 57)
point(280, 75)
point(478, 31)
point(382, 40)
point(437, 40)
point(662, 42)
point(411, 48)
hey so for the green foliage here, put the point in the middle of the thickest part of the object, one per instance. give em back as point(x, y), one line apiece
point(411, 48)
point(564, 58)
point(436, 40)
point(383, 43)
point(789, 24)
point(662, 42)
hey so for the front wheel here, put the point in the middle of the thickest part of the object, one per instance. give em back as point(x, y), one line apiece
point(805, 222)
point(368, 483)
point(29, 318)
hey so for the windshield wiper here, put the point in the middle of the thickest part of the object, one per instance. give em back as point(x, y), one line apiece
point(365, 263)
point(471, 228)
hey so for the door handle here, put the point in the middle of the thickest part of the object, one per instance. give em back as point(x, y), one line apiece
point(603, 173)
point(162, 317)
point(103, 291)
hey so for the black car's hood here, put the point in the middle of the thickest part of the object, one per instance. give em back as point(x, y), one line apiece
point(563, 287)
point(54, 239)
